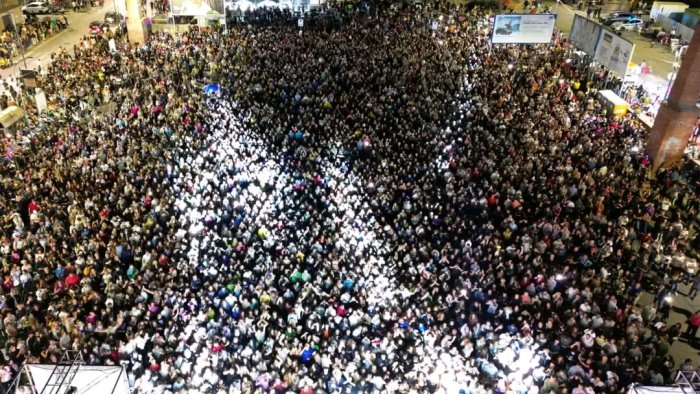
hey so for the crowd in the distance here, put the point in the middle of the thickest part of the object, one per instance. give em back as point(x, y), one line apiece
point(29, 34)
point(363, 206)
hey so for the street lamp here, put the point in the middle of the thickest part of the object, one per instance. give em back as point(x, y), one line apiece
point(16, 34)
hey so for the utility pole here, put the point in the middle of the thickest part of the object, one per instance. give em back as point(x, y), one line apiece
point(19, 40)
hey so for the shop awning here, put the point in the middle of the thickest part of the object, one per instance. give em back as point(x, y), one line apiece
point(11, 115)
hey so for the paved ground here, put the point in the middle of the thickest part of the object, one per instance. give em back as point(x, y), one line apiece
point(683, 307)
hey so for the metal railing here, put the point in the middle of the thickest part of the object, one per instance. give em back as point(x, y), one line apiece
point(688, 382)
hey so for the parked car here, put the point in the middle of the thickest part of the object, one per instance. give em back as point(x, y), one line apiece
point(631, 24)
point(621, 14)
point(614, 19)
point(36, 7)
point(113, 18)
point(97, 27)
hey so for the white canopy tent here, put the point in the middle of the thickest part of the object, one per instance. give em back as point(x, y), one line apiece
point(89, 379)
point(638, 389)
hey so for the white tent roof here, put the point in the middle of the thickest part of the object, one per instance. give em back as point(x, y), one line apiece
point(637, 389)
point(90, 379)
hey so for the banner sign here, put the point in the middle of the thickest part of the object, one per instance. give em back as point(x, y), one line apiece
point(584, 34)
point(523, 28)
point(614, 52)
point(41, 104)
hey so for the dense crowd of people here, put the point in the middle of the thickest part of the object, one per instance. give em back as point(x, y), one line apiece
point(28, 34)
point(641, 100)
point(362, 206)
point(159, 7)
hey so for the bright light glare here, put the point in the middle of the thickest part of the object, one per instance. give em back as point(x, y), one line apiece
point(265, 175)
point(524, 362)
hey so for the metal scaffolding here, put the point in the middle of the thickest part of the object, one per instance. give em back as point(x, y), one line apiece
point(688, 382)
point(63, 373)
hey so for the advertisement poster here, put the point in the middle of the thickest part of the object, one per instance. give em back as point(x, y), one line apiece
point(584, 34)
point(523, 28)
point(614, 52)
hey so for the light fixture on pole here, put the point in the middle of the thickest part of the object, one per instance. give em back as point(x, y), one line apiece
point(15, 33)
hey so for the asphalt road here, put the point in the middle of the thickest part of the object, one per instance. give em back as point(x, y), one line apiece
point(78, 23)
